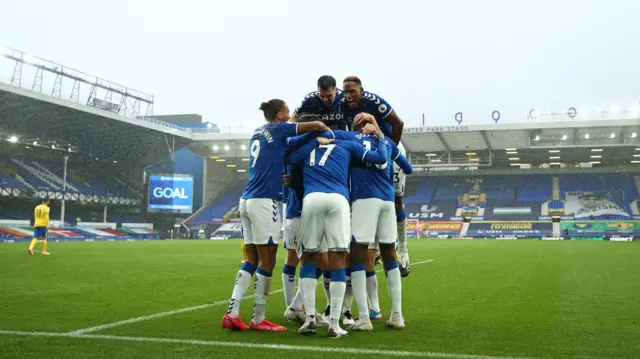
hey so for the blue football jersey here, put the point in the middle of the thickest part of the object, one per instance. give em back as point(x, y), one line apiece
point(295, 191)
point(369, 180)
point(371, 104)
point(266, 160)
point(331, 116)
point(326, 167)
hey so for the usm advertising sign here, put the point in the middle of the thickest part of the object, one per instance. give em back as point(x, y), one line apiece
point(170, 193)
point(517, 229)
point(430, 211)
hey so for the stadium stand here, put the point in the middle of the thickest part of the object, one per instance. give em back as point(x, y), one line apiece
point(22, 171)
point(534, 188)
point(221, 205)
point(465, 175)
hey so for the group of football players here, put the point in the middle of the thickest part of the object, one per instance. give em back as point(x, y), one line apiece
point(345, 173)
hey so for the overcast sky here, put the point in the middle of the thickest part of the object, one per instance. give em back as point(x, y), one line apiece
point(221, 59)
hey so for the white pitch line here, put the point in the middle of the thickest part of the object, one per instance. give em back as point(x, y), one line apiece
point(157, 315)
point(325, 349)
point(178, 311)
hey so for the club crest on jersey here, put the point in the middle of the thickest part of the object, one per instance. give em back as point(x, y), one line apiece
point(382, 108)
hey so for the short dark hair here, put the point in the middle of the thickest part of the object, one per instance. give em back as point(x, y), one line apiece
point(45, 200)
point(271, 108)
point(355, 79)
point(307, 117)
point(327, 82)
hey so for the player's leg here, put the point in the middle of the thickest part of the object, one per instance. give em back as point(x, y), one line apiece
point(289, 269)
point(292, 297)
point(244, 251)
point(387, 250)
point(325, 273)
point(37, 233)
point(295, 312)
point(43, 251)
point(232, 319)
point(311, 231)
point(337, 227)
point(394, 285)
point(364, 214)
point(399, 180)
point(347, 318)
point(265, 219)
point(372, 284)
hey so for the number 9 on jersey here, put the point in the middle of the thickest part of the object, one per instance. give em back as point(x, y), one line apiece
point(255, 152)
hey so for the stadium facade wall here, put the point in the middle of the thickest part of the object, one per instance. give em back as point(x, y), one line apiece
point(179, 119)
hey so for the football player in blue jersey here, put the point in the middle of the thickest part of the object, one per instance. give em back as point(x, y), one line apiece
point(356, 103)
point(293, 299)
point(326, 213)
point(325, 102)
point(259, 212)
point(372, 226)
point(372, 196)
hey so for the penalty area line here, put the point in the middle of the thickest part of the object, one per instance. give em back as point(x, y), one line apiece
point(325, 349)
point(182, 310)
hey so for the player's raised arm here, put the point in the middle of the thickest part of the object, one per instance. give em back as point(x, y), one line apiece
point(397, 125)
point(313, 126)
point(378, 157)
point(400, 159)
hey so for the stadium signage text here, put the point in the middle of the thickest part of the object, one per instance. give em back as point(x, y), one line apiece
point(512, 225)
point(425, 215)
point(437, 129)
point(434, 226)
point(168, 192)
point(621, 239)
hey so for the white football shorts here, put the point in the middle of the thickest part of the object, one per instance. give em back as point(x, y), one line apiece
point(291, 233)
point(260, 218)
point(399, 178)
point(373, 221)
point(325, 221)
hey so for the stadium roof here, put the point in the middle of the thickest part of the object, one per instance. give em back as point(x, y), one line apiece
point(553, 141)
point(31, 116)
point(604, 137)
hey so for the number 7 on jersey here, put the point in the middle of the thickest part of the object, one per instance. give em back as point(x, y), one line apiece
point(325, 156)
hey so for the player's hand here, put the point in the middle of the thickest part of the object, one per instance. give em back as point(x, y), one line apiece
point(286, 180)
point(371, 129)
point(363, 118)
point(324, 141)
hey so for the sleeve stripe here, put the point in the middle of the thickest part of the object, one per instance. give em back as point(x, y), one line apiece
point(398, 155)
point(297, 128)
point(387, 115)
point(364, 154)
point(332, 135)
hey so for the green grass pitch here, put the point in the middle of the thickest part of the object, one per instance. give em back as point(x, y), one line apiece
point(478, 299)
